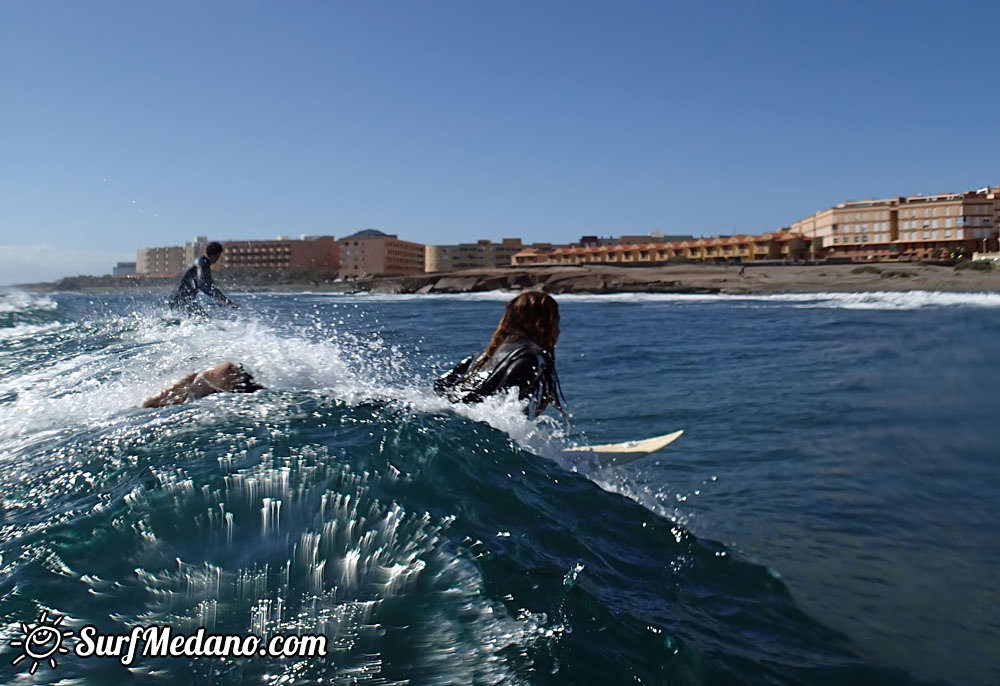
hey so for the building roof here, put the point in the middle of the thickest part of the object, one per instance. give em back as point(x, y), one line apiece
point(367, 233)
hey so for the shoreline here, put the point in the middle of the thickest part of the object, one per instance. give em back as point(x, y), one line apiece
point(601, 279)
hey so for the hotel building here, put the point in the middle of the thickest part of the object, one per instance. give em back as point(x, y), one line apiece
point(482, 254)
point(159, 261)
point(779, 245)
point(309, 252)
point(371, 252)
point(914, 227)
point(123, 269)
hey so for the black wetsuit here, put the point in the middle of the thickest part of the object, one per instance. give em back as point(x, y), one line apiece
point(517, 363)
point(198, 277)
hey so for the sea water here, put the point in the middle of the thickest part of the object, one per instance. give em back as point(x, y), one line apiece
point(828, 517)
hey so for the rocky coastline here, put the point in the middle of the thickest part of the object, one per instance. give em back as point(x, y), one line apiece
point(697, 279)
point(599, 279)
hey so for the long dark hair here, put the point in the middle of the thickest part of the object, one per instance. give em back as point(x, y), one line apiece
point(533, 315)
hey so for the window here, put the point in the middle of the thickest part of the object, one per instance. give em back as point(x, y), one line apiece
point(947, 233)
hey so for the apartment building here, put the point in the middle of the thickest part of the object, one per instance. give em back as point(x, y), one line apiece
point(482, 254)
point(308, 252)
point(371, 252)
point(779, 245)
point(905, 228)
point(167, 261)
point(194, 249)
point(123, 269)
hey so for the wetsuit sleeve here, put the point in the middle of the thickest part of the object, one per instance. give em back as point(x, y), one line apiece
point(524, 371)
point(534, 375)
point(205, 283)
point(445, 383)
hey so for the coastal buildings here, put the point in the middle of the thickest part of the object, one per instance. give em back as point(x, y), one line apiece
point(779, 245)
point(913, 227)
point(482, 254)
point(371, 252)
point(166, 261)
point(308, 252)
point(651, 237)
point(123, 269)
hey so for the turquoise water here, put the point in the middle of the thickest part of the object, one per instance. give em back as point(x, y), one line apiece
point(828, 516)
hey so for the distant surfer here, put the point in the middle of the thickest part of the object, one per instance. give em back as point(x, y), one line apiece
point(224, 378)
point(520, 355)
point(198, 277)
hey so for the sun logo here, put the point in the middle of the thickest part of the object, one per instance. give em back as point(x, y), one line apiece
point(41, 642)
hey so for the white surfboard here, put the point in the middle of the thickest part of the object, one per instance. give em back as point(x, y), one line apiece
point(608, 454)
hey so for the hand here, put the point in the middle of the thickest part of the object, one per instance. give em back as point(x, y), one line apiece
point(234, 305)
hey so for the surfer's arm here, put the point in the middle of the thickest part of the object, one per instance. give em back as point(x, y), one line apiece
point(445, 383)
point(535, 378)
point(173, 395)
point(207, 285)
point(526, 373)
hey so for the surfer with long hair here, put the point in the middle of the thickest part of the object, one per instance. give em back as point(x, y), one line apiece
point(521, 354)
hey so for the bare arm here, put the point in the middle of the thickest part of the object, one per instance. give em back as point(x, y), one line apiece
point(174, 395)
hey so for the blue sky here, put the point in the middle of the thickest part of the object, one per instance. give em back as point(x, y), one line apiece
point(132, 124)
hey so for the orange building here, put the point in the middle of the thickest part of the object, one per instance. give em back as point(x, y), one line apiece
point(309, 252)
point(371, 252)
point(905, 228)
point(779, 245)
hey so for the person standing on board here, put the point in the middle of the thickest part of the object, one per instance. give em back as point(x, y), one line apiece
point(198, 277)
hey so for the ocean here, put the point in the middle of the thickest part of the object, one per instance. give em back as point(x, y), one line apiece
point(829, 515)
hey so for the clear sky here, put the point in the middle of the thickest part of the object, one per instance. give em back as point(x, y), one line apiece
point(129, 124)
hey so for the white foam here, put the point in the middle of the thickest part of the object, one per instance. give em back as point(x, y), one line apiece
point(19, 301)
point(93, 389)
point(26, 330)
point(880, 300)
point(89, 388)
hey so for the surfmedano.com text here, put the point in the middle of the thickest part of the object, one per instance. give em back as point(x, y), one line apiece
point(160, 641)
